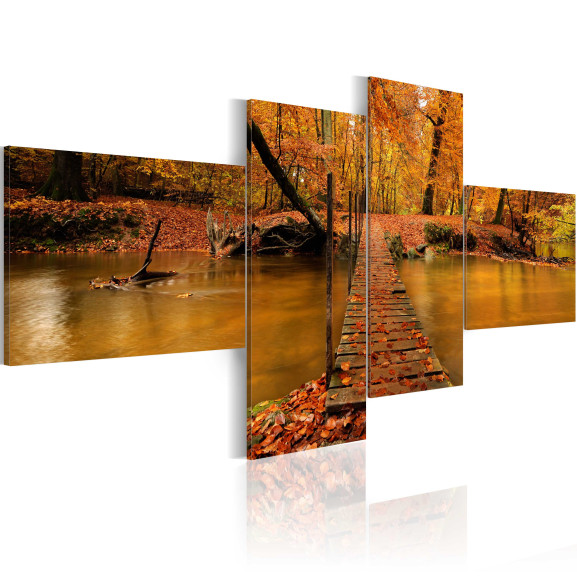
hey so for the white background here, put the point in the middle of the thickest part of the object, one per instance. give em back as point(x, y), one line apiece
point(127, 467)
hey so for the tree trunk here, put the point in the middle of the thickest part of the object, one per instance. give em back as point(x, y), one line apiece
point(65, 179)
point(470, 194)
point(92, 171)
point(499, 214)
point(327, 126)
point(511, 213)
point(524, 235)
point(265, 195)
point(92, 176)
point(429, 195)
point(286, 186)
point(137, 172)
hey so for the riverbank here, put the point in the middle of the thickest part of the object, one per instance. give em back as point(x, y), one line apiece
point(113, 224)
point(297, 422)
point(287, 232)
point(490, 240)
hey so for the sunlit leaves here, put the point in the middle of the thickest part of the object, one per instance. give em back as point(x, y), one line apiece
point(401, 119)
point(298, 422)
point(294, 136)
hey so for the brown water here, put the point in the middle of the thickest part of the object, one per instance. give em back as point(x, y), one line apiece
point(503, 294)
point(435, 287)
point(53, 316)
point(288, 321)
point(556, 249)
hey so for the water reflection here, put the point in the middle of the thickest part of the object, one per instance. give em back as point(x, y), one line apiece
point(47, 306)
point(502, 294)
point(288, 310)
point(435, 287)
point(556, 249)
point(53, 316)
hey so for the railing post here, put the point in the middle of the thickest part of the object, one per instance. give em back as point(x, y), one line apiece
point(350, 242)
point(356, 223)
point(329, 254)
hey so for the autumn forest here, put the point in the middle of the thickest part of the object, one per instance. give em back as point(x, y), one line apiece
point(521, 221)
point(111, 202)
point(293, 150)
point(357, 234)
point(306, 199)
point(416, 147)
point(114, 256)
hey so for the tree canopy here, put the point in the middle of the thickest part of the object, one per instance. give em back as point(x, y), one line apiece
point(529, 214)
point(299, 143)
point(415, 149)
point(96, 175)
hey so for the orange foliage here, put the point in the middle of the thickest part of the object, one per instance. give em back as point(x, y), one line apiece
point(402, 120)
point(298, 422)
point(294, 135)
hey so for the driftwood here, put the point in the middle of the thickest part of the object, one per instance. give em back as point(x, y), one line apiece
point(224, 240)
point(142, 275)
point(287, 238)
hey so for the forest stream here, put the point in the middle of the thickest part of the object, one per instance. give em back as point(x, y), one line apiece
point(502, 294)
point(288, 311)
point(435, 287)
point(54, 316)
point(288, 321)
point(292, 312)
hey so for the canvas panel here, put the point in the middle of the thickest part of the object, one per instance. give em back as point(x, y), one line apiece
point(520, 266)
point(415, 238)
point(109, 256)
point(296, 156)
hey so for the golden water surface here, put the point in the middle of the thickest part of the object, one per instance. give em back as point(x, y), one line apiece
point(503, 294)
point(288, 331)
point(51, 315)
point(435, 287)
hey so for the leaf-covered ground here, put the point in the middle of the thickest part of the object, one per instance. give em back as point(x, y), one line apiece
point(118, 224)
point(412, 230)
point(298, 422)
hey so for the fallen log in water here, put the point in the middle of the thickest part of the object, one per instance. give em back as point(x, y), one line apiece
point(142, 276)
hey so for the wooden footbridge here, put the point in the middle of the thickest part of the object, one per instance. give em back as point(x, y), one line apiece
point(400, 357)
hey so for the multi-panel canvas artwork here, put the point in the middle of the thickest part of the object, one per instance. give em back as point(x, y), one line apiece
point(520, 266)
point(355, 233)
point(116, 256)
point(415, 160)
point(306, 292)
